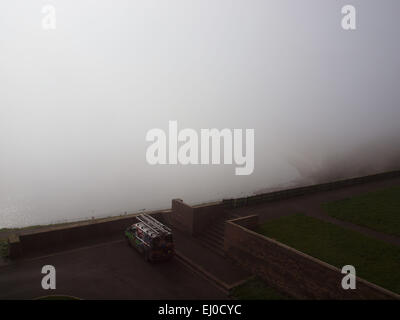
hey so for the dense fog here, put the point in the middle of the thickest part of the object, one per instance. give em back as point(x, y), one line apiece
point(77, 101)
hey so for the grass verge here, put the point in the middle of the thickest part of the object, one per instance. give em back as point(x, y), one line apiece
point(255, 289)
point(378, 210)
point(374, 260)
point(3, 248)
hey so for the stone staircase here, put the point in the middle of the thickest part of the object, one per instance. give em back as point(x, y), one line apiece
point(213, 236)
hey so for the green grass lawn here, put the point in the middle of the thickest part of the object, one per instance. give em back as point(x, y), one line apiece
point(255, 289)
point(374, 260)
point(378, 210)
point(3, 248)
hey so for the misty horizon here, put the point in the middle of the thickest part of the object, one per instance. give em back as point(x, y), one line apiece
point(77, 102)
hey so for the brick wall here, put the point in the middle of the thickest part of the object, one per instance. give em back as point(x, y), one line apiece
point(59, 237)
point(289, 270)
point(193, 219)
point(182, 216)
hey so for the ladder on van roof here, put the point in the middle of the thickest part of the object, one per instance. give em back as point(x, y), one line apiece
point(153, 223)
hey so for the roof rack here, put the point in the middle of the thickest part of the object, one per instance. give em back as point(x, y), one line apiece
point(153, 224)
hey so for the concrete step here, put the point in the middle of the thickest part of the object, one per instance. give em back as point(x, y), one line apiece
point(219, 241)
point(220, 226)
point(212, 240)
point(215, 232)
point(209, 244)
point(213, 236)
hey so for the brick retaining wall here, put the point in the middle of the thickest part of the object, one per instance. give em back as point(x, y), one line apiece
point(193, 219)
point(61, 236)
point(289, 270)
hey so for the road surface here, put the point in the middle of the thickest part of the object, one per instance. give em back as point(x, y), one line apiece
point(109, 270)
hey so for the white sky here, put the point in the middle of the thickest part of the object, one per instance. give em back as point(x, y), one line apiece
point(76, 102)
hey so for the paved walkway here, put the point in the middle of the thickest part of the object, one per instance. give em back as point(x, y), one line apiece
point(311, 205)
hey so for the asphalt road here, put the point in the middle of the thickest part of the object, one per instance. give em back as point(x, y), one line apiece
point(109, 270)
